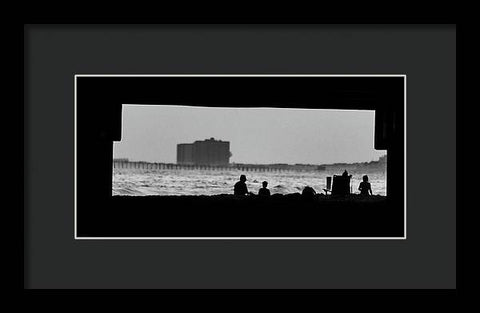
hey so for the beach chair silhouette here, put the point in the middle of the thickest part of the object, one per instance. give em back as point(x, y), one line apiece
point(341, 185)
point(329, 185)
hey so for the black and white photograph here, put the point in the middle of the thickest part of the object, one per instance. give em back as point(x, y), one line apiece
point(242, 156)
point(288, 150)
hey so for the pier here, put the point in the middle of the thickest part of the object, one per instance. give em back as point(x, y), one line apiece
point(122, 164)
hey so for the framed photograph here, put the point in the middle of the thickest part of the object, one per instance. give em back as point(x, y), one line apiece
point(241, 156)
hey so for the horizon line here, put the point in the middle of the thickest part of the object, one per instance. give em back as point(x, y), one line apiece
point(243, 163)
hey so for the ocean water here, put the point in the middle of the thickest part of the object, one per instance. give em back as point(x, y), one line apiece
point(142, 182)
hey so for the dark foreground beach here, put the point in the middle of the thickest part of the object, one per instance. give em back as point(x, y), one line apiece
point(290, 215)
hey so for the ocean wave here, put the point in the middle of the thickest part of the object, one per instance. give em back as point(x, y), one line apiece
point(211, 183)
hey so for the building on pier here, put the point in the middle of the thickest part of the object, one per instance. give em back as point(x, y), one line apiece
point(185, 154)
point(204, 152)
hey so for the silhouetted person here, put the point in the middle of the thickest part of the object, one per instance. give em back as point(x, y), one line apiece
point(264, 190)
point(365, 187)
point(240, 188)
point(308, 193)
point(341, 184)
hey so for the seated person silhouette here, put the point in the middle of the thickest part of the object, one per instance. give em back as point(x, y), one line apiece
point(341, 184)
point(240, 188)
point(308, 193)
point(264, 190)
point(365, 186)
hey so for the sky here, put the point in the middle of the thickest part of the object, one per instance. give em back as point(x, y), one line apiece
point(258, 135)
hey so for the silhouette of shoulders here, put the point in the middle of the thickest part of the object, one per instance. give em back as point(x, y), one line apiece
point(263, 192)
point(240, 188)
point(364, 187)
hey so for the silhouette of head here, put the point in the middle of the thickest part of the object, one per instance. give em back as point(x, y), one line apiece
point(365, 178)
point(308, 193)
point(243, 178)
point(264, 184)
